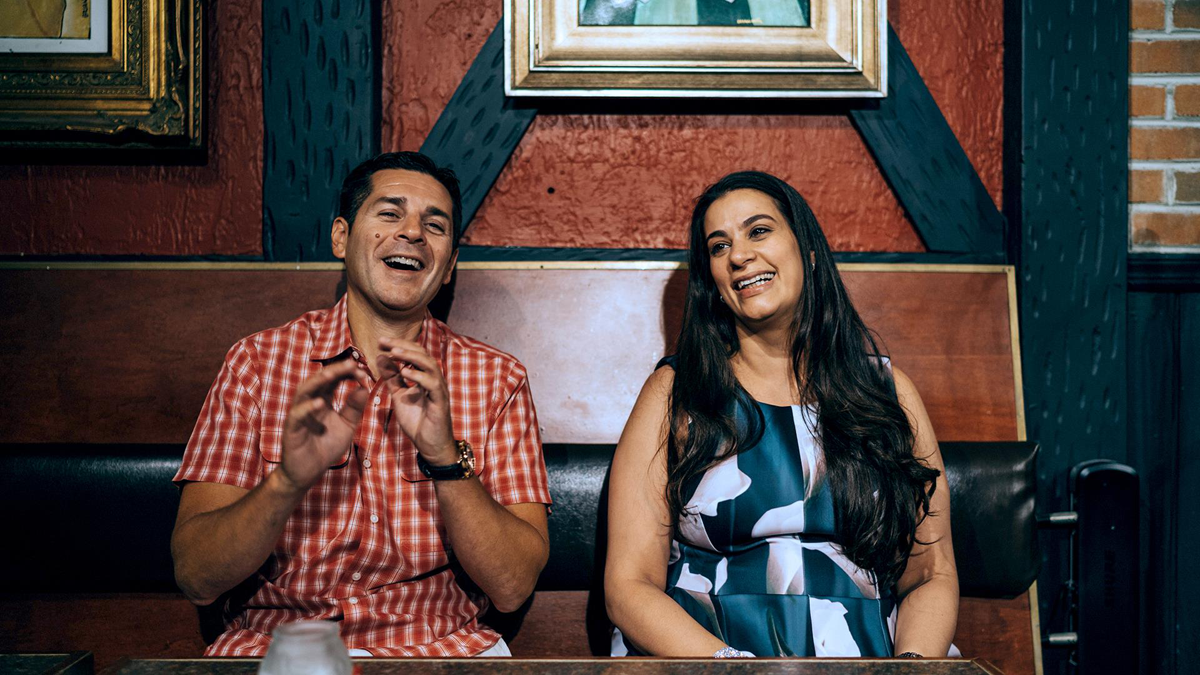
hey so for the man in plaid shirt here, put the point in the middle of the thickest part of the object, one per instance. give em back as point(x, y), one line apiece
point(360, 463)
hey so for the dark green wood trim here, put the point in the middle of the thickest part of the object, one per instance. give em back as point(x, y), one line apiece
point(321, 111)
point(925, 164)
point(480, 127)
point(1071, 120)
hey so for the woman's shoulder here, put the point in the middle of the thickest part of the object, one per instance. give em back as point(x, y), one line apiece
point(663, 377)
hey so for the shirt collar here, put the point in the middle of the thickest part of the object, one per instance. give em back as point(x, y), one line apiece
point(331, 334)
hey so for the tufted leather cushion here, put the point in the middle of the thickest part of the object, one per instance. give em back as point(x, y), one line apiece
point(992, 489)
point(88, 518)
point(98, 518)
point(993, 516)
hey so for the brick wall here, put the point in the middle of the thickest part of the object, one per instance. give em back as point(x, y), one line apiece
point(1164, 134)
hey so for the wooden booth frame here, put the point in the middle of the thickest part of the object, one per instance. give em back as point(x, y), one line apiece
point(145, 91)
point(842, 53)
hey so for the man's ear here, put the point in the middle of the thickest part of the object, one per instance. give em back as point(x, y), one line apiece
point(450, 267)
point(337, 237)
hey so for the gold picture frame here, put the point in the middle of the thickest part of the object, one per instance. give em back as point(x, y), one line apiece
point(144, 89)
point(840, 53)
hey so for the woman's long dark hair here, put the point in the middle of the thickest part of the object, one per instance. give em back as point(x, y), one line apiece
point(880, 491)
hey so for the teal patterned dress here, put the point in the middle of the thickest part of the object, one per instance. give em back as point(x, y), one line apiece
point(753, 560)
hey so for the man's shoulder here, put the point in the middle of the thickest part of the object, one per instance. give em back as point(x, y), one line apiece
point(478, 351)
point(299, 333)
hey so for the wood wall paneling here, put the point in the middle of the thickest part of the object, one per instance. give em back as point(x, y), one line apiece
point(127, 356)
point(113, 626)
point(113, 356)
point(1186, 589)
point(1154, 422)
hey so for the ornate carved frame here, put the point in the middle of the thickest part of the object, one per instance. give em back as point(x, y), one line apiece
point(841, 54)
point(147, 91)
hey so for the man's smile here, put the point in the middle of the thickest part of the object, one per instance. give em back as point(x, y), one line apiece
point(404, 263)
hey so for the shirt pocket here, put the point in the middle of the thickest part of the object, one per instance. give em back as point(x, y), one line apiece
point(418, 512)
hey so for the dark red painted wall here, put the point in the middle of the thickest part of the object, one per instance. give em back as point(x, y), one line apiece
point(177, 210)
point(629, 180)
point(619, 180)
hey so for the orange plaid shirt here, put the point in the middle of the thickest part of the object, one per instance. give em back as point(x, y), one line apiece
point(367, 546)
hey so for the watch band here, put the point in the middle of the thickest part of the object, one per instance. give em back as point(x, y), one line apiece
point(463, 469)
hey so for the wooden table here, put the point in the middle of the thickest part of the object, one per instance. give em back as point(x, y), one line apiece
point(599, 666)
point(72, 663)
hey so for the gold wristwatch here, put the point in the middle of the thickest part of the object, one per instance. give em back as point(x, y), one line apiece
point(463, 469)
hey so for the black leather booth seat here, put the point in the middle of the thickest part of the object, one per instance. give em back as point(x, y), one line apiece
point(98, 518)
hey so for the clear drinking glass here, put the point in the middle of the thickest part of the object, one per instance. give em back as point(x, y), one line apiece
point(306, 648)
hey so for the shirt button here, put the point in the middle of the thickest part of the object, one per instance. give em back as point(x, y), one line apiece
point(356, 576)
point(366, 463)
point(377, 400)
point(374, 518)
point(354, 353)
point(354, 601)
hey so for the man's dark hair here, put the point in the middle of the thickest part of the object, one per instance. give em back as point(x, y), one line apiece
point(357, 185)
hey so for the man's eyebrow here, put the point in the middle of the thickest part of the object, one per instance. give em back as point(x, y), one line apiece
point(435, 211)
point(395, 201)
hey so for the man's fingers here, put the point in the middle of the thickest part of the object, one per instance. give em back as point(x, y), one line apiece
point(356, 403)
point(324, 381)
point(306, 415)
point(410, 352)
point(430, 383)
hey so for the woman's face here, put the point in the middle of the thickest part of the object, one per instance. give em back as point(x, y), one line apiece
point(754, 257)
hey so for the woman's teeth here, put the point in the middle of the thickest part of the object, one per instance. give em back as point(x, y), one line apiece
point(754, 281)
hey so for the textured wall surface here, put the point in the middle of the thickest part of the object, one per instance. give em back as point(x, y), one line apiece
point(165, 210)
point(626, 181)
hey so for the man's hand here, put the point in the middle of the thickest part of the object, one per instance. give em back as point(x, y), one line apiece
point(314, 434)
point(420, 398)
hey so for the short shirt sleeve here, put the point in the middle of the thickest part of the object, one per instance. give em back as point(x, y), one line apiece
point(515, 472)
point(224, 446)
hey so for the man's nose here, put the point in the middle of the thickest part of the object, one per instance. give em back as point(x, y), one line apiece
point(409, 228)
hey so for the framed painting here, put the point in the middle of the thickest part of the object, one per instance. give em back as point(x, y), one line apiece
point(79, 74)
point(696, 48)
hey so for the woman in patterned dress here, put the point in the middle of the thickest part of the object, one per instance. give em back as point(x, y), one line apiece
point(777, 490)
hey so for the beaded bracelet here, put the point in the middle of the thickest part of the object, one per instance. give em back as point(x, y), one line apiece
point(910, 655)
point(731, 653)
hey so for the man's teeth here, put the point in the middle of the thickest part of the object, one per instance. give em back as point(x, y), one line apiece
point(755, 281)
point(399, 260)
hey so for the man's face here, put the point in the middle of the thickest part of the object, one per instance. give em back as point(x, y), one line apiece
point(400, 250)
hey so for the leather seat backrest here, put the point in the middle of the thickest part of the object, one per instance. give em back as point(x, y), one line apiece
point(992, 490)
point(98, 518)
